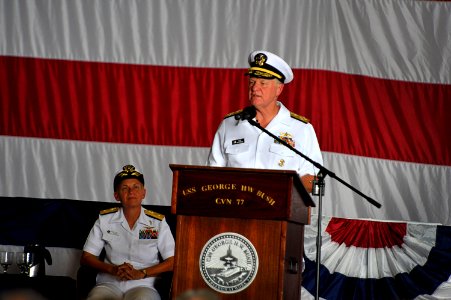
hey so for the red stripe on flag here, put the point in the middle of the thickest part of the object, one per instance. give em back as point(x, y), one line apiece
point(183, 106)
point(366, 234)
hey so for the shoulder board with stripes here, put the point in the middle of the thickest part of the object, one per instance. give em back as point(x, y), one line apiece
point(300, 118)
point(153, 214)
point(233, 114)
point(109, 210)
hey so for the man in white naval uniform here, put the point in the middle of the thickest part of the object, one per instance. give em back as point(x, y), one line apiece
point(132, 238)
point(239, 144)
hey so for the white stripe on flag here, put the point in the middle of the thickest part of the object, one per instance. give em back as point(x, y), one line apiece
point(64, 169)
point(388, 39)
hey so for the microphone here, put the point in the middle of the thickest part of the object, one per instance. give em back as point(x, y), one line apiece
point(248, 113)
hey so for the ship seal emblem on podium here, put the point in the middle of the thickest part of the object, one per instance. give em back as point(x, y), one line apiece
point(228, 263)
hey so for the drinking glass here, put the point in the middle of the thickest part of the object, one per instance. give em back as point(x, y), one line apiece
point(6, 259)
point(24, 261)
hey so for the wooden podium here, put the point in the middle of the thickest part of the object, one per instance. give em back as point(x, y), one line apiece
point(239, 232)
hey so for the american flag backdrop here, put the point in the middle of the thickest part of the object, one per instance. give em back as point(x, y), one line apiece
point(88, 86)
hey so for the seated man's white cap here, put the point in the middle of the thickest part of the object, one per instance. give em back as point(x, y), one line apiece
point(264, 64)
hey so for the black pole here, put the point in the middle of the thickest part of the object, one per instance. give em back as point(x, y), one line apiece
point(318, 190)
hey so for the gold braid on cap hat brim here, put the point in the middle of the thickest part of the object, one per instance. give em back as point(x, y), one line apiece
point(129, 170)
point(263, 72)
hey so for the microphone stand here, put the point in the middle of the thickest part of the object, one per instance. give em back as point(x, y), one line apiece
point(322, 170)
point(318, 190)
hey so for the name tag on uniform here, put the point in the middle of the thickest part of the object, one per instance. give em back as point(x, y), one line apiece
point(236, 142)
point(148, 233)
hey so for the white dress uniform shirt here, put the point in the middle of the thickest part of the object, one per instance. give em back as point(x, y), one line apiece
point(239, 144)
point(138, 246)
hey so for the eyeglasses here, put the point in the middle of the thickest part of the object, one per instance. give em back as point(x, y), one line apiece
point(128, 189)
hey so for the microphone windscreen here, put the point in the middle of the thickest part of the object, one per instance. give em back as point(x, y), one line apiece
point(249, 113)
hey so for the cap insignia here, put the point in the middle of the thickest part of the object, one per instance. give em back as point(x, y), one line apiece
point(260, 59)
point(129, 170)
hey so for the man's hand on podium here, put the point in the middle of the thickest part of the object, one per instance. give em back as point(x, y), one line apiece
point(307, 181)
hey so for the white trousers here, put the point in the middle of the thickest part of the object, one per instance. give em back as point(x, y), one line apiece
point(107, 291)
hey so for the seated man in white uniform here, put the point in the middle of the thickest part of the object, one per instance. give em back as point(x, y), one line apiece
point(132, 238)
point(239, 144)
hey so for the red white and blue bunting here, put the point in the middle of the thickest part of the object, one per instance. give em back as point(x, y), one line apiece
point(369, 259)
